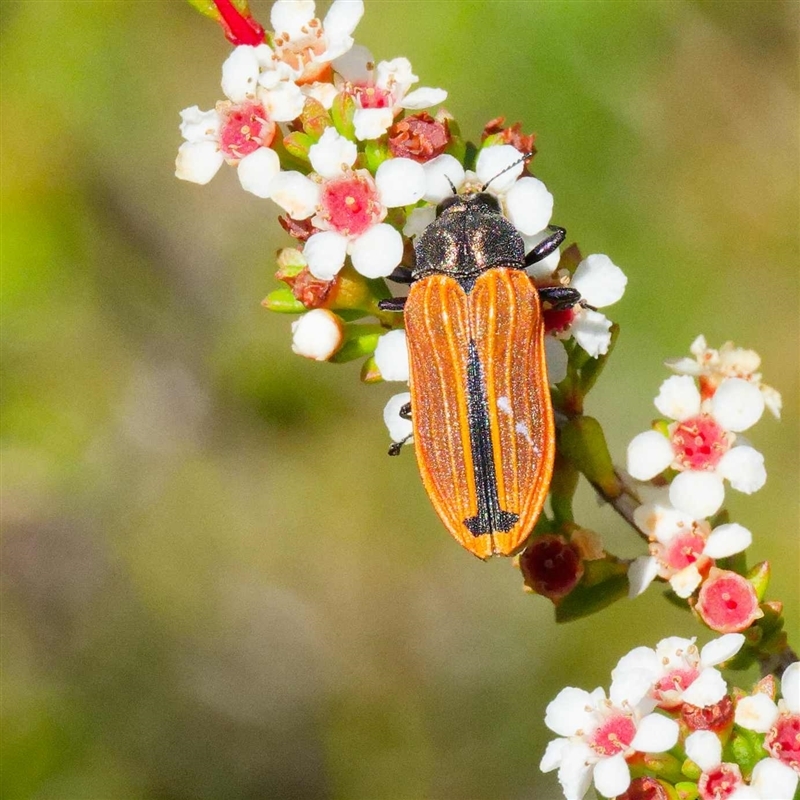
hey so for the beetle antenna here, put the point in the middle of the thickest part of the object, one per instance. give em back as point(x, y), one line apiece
point(524, 157)
point(452, 185)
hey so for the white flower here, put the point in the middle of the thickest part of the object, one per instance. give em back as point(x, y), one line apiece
point(391, 356)
point(399, 427)
point(304, 44)
point(770, 780)
point(601, 283)
point(238, 130)
point(676, 672)
point(713, 366)
point(700, 443)
point(682, 549)
point(382, 94)
point(705, 749)
point(348, 207)
point(779, 721)
point(317, 334)
point(600, 734)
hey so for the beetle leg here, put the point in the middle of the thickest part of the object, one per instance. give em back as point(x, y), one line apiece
point(560, 298)
point(392, 304)
point(394, 450)
point(405, 411)
point(401, 275)
point(547, 246)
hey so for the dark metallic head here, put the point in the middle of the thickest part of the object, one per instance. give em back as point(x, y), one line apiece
point(469, 236)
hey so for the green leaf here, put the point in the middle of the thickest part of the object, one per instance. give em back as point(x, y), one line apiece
point(604, 582)
point(342, 112)
point(206, 8)
point(283, 301)
point(370, 372)
point(298, 144)
point(359, 341)
point(745, 748)
point(591, 370)
point(759, 578)
point(582, 441)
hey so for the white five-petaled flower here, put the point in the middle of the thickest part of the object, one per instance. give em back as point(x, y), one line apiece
point(713, 366)
point(348, 206)
point(682, 549)
point(779, 721)
point(600, 734)
point(677, 672)
point(240, 129)
point(700, 443)
point(382, 92)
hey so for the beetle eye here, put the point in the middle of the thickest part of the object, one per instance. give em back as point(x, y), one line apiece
point(486, 199)
point(446, 203)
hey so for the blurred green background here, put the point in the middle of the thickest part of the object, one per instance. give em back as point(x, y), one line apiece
point(215, 583)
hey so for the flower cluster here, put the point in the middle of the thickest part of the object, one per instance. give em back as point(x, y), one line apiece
point(671, 723)
point(349, 152)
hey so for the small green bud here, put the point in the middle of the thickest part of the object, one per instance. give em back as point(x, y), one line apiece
point(283, 301)
point(298, 144)
point(314, 119)
point(342, 112)
point(759, 577)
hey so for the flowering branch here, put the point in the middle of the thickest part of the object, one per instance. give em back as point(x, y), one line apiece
point(356, 159)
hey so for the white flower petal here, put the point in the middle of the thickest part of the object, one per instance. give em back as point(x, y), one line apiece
point(323, 93)
point(600, 282)
point(424, 97)
point(641, 573)
point(568, 713)
point(296, 194)
point(399, 428)
point(400, 181)
point(548, 265)
point(283, 102)
point(721, 649)
point(342, 18)
point(772, 400)
point(395, 75)
point(649, 454)
point(612, 776)
point(743, 466)
point(725, 540)
point(685, 581)
point(353, 65)
point(418, 220)
point(678, 398)
point(630, 687)
point(528, 205)
point(756, 713)
point(240, 74)
point(643, 659)
point(707, 689)
point(683, 366)
point(774, 780)
point(675, 652)
point(291, 16)
point(198, 162)
point(737, 404)
point(705, 749)
point(200, 126)
point(377, 252)
point(790, 687)
point(575, 772)
point(591, 331)
point(372, 123)
point(437, 172)
point(317, 334)
point(325, 253)
point(495, 164)
point(553, 754)
point(332, 154)
point(697, 493)
point(391, 356)
point(557, 360)
point(655, 734)
point(257, 171)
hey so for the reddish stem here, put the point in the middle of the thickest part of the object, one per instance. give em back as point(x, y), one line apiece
point(239, 29)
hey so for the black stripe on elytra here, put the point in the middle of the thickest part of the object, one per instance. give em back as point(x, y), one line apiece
point(490, 517)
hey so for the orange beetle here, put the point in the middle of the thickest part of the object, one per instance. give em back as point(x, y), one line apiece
point(480, 401)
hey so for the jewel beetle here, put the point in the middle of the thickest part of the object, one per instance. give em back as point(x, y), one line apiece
point(481, 414)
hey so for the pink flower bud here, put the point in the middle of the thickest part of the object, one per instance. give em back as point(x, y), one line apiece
point(727, 602)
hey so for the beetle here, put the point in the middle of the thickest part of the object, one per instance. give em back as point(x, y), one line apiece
point(483, 426)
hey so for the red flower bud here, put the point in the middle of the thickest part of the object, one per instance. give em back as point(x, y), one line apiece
point(419, 137)
point(551, 566)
